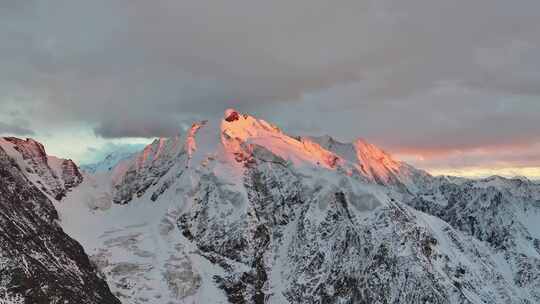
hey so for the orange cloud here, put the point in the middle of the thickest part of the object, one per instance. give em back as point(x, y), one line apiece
point(504, 160)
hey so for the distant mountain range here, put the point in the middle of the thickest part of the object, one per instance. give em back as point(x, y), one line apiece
point(111, 159)
point(237, 211)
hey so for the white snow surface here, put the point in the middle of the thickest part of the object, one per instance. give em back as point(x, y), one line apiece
point(136, 244)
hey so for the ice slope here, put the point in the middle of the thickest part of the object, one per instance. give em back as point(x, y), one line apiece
point(136, 247)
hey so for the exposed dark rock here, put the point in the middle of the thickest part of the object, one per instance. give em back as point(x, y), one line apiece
point(232, 116)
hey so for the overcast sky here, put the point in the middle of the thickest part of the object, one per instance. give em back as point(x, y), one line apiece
point(450, 86)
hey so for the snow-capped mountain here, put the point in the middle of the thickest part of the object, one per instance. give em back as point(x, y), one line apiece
point(110, 161)
point(237, 211)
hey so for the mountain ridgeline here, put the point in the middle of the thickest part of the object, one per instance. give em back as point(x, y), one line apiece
point(237, 211)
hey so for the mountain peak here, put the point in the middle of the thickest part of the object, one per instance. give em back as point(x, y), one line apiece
point(31, 147)
point(236, 141)
point(231, 115)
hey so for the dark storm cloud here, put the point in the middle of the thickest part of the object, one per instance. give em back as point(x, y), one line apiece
point(164, 126)
point(445, 118)
point(406, 74)
point(11, 129)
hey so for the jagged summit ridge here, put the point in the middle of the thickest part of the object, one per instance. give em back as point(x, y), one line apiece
point(366, 159)
point(238, 136)
point(360, 158)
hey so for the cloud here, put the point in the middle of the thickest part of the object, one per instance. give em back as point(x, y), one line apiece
point(494, 156)
point(159, 126)
point(9, 129)
point(446, 117)
point(430, 75)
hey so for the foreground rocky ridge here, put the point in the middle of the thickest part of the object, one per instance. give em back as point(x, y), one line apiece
point(237, 211)
point(39, 263)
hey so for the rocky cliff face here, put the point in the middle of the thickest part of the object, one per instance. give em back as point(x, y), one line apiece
point(39, 263)
point(501, 212)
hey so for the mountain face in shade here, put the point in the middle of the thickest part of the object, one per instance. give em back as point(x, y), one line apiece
point(39, 263)
point(237, 211)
